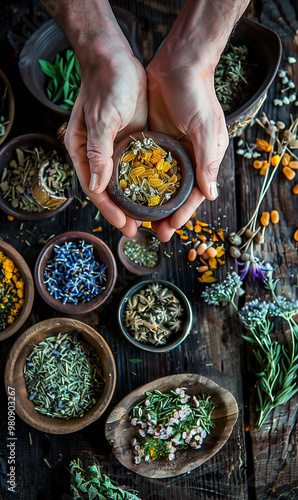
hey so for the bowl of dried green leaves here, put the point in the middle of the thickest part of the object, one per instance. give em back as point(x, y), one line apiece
point(22, 161)
point(7, 107)
point(141, 254)
point(63, 374)
point(245, 72)
point(155, 315)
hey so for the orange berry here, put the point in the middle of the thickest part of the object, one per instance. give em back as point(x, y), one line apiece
point(295, 189)
point(265, 218)
point(293, 164)
point(201, 248)
point(274, 217)
point(257, 164)
point(211, 251)
point(263, 145)
point(192, 254)
point(202, 269)
point(285, 159)
point(265, 167)
point(275, 160)
point(296, 235)
point(289, 173)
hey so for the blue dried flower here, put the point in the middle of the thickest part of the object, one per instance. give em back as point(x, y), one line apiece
point(224, 291)
point(254, 313)
point(284, 308)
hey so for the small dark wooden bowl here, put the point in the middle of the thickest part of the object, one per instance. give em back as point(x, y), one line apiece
point(142, 236)
point(10, 106)
point(102, 254)
point(119, 432)
point(29, 289)
point(141, 212)
point(14, 374)
point(177, 337)
point(264, 48)
point(29, 141)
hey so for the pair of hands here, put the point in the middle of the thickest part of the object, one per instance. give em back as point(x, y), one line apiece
point(116, 93)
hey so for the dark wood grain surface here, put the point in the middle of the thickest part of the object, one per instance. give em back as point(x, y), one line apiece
point(253, 464)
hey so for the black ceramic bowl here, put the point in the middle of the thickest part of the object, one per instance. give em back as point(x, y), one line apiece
point(264, 49)
point(30, 141)
point(153, 213)
point(177, 337)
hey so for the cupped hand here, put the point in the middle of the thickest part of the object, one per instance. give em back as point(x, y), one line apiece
point(182, 102)
point(112, 103)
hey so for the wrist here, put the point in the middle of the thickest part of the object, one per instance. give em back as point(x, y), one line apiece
point(202, 30)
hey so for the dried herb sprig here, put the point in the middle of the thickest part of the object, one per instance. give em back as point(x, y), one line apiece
point(90, 483)
point(144, 254)
point(64, 79)
point(277, 365)
point(63, 375)
point(168, 422)
point(234, 78)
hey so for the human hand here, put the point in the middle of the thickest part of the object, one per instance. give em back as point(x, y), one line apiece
point(112, 103)
point(182, 101)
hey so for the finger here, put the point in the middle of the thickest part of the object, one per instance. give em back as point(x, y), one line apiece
point(111, 212)
point(100, 139)
point(130, 229)
point(209, 151)
point(166, 228)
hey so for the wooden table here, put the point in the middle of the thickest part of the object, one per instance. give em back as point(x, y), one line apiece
point(253, 464)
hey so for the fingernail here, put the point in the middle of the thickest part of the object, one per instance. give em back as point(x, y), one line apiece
point(138, 223)
point(213, 190)
point(94, 182)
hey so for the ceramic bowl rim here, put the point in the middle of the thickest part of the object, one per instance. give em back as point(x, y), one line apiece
point(169, 345)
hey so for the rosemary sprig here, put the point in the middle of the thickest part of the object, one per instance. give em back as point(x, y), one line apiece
point(89, 483)
point(277, 365)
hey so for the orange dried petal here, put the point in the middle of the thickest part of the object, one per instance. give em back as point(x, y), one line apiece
point(122, 184)
point(197, 229)
point(296, 235)
point(129, 156)
point(263, 145)
point(153, 201)
point(189, 225)
point(212, 263)
point(137, 171)
point(221, 262)
point(159, 164)
point(285, 159)
point(155, 182)
point(220, 233)
point(293, 164)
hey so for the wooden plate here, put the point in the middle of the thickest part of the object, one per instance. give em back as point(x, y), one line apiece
point(119, 432)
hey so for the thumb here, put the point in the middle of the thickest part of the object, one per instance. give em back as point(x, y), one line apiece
point(209, 150)
point(100, 140)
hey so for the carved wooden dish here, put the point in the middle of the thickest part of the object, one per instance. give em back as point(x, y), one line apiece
point(29, 289)
point(119, 432)
point(14, 374)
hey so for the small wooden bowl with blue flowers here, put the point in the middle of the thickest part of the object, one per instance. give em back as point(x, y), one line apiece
point(75, 272)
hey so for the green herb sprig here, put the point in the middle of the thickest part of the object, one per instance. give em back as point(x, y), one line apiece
point(89, 483)
point(64, 79)
point(277, 365)
point(168, 422)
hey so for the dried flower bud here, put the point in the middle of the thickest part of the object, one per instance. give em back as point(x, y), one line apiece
point(234, 252)
point(235, 239)
point(248, 233)
point(245, 257)
point(288, 136)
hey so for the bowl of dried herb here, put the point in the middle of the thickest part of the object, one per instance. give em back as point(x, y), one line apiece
point(245, 72)
point(63, 375)
point(141, 254)
point(21, 161)
point(155, 315)
point(171, 425)
point(75, 272)
point(152, 176)
point(16, 290)
point(7, 107)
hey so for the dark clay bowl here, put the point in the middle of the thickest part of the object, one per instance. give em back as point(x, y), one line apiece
point(14, 374)
point(29, 141)
point(142, 236)
point(49, 40)
point(264, 48)
point(10, 106)
point(25, 272)
point(102, 254)
point(141, 212)
point(177, 337)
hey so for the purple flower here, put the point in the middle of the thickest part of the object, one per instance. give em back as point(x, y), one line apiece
point(254, 269)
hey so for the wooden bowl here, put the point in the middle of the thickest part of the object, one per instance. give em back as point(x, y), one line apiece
point(119, 432)
point(141, 212)
point(102, 254)
point(29, 141)
point(177, 337)
point(264, 48)
point(14, 374)
point(142, 236)
point(29, 289)
point(10, 105)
